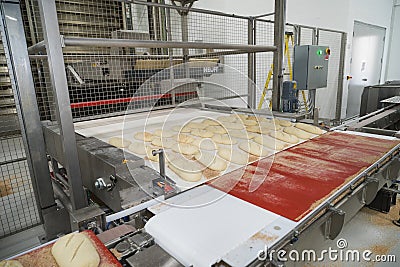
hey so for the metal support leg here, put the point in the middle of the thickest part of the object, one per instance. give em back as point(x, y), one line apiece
point(251, 63)
point(339, 95)
point(279, 34)
point(58, 78)
point(13, 36)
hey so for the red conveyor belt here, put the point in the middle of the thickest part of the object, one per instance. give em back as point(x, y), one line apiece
point(302, 176)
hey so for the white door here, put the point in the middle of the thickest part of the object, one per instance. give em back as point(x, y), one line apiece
point(366, 62)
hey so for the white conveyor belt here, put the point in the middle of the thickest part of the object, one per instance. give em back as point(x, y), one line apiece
point(203, 227)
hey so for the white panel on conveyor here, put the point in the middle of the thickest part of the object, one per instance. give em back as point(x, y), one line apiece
point(200, 230)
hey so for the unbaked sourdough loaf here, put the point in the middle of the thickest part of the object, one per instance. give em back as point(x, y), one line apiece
point(75, 250)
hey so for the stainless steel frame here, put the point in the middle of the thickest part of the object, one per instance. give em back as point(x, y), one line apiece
point(67, 153)
point(13, 36)
point(279, 33)
point(58, 78)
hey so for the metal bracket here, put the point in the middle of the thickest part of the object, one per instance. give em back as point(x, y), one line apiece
point(335, 222)
point(370, 190)
point(101, 184)
point(62, 41)
point(161, 161)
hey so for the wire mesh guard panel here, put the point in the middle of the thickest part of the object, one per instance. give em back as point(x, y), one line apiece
point(326, 97)
point(103, 81)
point(18, 209)
point(264, 36)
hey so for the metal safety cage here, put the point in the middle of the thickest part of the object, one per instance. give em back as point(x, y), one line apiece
point(329, 99)
point(88, 60)
point(19, 208)
point(110, 48)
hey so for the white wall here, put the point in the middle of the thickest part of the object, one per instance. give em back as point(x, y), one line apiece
point(338, 15)
point(393, 70)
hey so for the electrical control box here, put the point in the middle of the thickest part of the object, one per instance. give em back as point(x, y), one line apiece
point(310, 67)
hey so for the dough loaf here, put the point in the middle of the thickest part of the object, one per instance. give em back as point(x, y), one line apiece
point(138, 148)
point(10, 263)
point(234, 125)
point(119, 142)
point(186, 149)
point(184, 138)
point(75, 250)
point(249, 122)
point(237, 157)
point(188, 170)
point(257, 118)
point(202, 133)
point(288, 138)
point(309, 128)
point(211, 122)
point(227, 118)
point(187, 176)
point(164, 133)
point(211, 161)
point(254, 148)
point(284, 123)
point(240, 116)
point(259, 129)
point(270, 142)
point(164, 143)
point(224, 139)
point(195, 125)
point(298, 132)
point(144, 136)
point(181, 129)
point(216, 129)
point(205, 144)
point(241, 134)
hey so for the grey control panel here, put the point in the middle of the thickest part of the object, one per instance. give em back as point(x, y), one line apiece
point(310, 68)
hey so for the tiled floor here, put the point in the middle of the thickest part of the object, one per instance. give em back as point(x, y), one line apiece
point(369, 230)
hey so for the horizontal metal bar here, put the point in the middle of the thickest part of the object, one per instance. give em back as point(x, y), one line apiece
point(126, 100)
point(392, 190)
point(90, 57)
point(134, 209)
point(356, 120)
point(372, 119)
point(12, 161)
point(38, 47)
point(104, 42)
point(378, 131)
point(264, 15)
point(197, 10)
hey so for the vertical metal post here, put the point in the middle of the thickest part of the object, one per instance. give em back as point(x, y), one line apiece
point(279, 38)
point(297, 30)
point(313, 92)
point(170, 54)
point(251, 65)
point(315, 39)
point(185, 38)
point(15, 48)
point(52, 38)
point(339, 96)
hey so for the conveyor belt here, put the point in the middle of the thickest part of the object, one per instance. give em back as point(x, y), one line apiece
point(301, 177)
